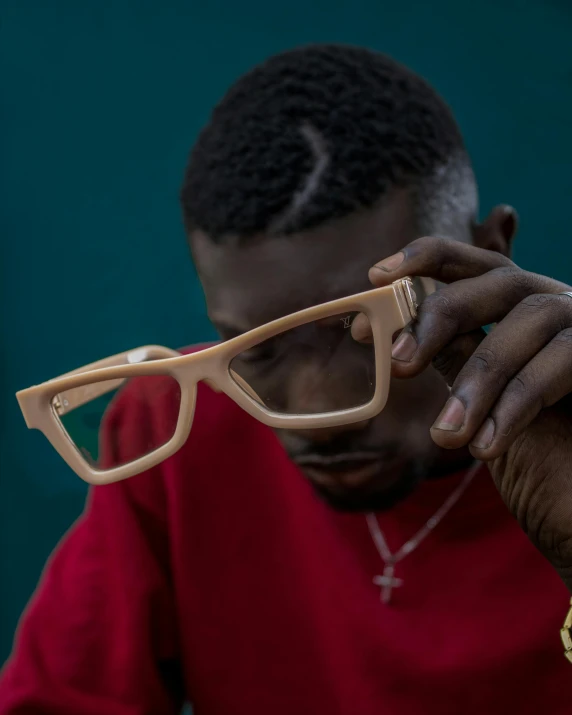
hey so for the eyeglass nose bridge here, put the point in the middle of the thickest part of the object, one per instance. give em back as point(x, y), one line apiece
point(215, 372)
point(207, 368)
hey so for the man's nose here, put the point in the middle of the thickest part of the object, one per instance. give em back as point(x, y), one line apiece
point(317, 388)
point(322, 435)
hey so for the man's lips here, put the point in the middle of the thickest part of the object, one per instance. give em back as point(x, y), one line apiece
point(345, 470)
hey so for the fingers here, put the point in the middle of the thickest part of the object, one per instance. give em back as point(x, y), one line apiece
point(448, 261)
point(450, 361)
point(442, 259)
point(500, 381)
point(466, 306)
point(524, 365)
point(543, 382)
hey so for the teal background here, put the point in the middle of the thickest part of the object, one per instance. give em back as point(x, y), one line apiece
point(101, 102)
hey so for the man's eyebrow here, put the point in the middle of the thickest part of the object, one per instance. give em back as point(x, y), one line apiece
point(229, 330)
point(226, 328)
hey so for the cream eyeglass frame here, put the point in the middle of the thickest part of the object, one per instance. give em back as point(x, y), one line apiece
point(388, 309)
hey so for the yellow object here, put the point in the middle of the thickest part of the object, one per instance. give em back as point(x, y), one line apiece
point(566, 635)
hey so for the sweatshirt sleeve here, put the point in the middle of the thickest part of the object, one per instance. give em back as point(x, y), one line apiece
point(99, 635)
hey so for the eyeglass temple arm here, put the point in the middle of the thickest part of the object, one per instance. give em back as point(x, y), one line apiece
point(69, 400)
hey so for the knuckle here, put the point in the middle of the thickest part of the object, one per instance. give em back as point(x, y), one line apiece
point(443, 306)
point(427, 242)
point(428, 249)
point(510, 271)
point(523, 391)
point(520, 282)
point(536, 300)
point(526, 385)
point(564, 338)
point(550, 303)
point(566, 303)
point(485, 361)
point(431, 248)
point(520, 384)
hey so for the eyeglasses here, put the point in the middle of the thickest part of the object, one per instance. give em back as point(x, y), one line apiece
point(334, 380)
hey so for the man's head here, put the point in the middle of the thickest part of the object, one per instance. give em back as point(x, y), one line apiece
point(316, 165)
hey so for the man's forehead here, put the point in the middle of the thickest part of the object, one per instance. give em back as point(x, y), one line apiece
point(252, 282)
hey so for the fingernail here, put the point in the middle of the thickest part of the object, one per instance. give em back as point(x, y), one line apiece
point(452, 416)
point(391, 263)
point(404, 348)
point(485, 435)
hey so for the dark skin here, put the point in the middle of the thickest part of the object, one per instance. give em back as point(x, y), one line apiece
point(510, 400)
point(511, 390)
point(251, 283)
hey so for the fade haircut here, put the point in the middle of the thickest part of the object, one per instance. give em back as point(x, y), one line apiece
point(317, 133)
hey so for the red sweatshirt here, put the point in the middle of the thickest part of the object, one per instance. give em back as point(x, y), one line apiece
point(220, 577)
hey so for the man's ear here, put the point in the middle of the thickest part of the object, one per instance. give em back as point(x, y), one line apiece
point(497, 231)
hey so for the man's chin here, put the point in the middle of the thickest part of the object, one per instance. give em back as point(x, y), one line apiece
point(377, 495)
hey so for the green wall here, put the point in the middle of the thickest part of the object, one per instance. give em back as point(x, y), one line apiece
point(101, 102)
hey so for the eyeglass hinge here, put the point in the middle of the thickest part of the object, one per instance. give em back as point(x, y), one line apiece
point(410, 296)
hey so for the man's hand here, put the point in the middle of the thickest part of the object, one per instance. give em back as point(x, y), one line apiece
point(511, 389)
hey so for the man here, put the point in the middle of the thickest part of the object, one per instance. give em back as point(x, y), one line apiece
point(249, 573)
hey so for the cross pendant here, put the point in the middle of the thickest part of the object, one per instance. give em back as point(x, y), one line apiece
point(387, 583)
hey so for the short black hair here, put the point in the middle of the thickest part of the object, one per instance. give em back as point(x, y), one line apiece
point(314, 134)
